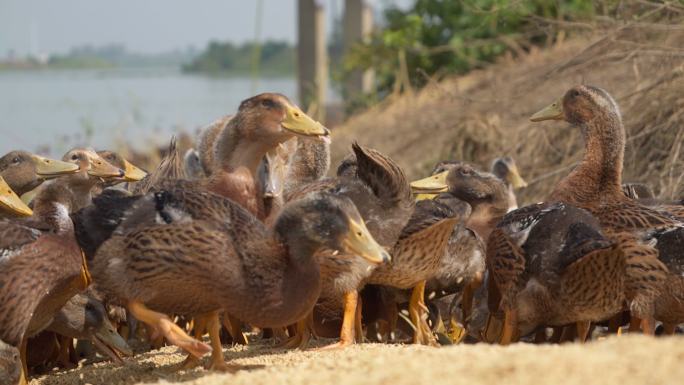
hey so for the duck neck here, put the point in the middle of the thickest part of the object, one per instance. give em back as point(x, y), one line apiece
point(485, 217)
point(53, 207)
point(236, 149)
point(599, 174)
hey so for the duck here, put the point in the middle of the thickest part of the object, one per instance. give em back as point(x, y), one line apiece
point(84, 317)
point(132, 173)
point(41, 268)
point(506, 169)
point(25, 171)
point(193, 165)
point(262, 123)
point(644, 194)
point(93, 171)
point(215, 255)
point(379, 189)
point(10, 203)
point(206, 141)
point(418, 255)
point(596, 185)
point(550, 262)
point(10, 364)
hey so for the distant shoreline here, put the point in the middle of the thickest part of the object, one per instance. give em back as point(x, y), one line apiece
point(144, 68)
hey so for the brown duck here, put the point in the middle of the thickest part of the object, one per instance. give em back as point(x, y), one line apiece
point(550, 263)
point(203, 253)
point(41, 267)
point(379, 189)
point(596, 185)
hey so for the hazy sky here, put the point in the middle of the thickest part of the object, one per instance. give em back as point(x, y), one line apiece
point(55, 26)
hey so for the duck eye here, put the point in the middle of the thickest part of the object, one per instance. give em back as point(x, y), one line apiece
point(574, 93)
point(74, 157)
point(16, 160)
point(268, 103)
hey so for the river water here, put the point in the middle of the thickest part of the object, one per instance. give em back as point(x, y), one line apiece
point(52, 111)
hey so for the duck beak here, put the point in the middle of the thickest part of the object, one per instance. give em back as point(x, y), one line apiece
point(51, 168)
point(297, 122)
point(433, 184)
point(133, 173)
point(553, 111)
point(109, 342)
point(513, 177)
point(10, 201)
point(425, 196)
point(360, 242)
point(102, 169)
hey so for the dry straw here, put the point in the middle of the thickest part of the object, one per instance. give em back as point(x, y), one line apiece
point(484, 114)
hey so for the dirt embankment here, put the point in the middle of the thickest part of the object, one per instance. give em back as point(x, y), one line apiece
point(485, 114)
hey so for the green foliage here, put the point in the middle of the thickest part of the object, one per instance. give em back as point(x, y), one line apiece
point(276, 58)
point(437, 37)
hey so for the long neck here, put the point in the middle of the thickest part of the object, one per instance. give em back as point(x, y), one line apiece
point(599, 174)
point(55, 213)
point(234, 150)
point(485, 216)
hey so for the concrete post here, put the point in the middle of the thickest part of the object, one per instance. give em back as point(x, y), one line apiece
point(312, 56)
point(358, 25)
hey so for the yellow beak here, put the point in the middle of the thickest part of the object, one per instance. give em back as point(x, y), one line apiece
point(425, 196)
point(51, 168)
point(300, 123)
point(513, 177)
point(553, 111)
point(360, 242)
point(101, 168)
point(433, 184)
point(133, 173)
point(11, 202)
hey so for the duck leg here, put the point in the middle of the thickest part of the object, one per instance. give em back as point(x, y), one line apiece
point(233, 325)
point(351, 300)
point(66, 346)
point(358, 326)
point(583, 328)
point(669, 328)
point(510, 327)
point(162, 324)
point(418, 314)
point(302, 334)
point(23, 377)
point(648, 326)
point(217, 361)
point(199, 327)
point(467, 298)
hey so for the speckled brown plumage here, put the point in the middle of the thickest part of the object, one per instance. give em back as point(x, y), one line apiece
point(381, 192)
point(41, 267)
point(596, 185)
point(206, 253)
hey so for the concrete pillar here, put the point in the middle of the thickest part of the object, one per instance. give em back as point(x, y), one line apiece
point(358, 25)
point(312, 57)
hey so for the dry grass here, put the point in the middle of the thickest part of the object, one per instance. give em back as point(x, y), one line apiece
point(485, 114)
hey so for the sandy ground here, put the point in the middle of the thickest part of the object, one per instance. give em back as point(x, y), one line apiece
point(616, 360)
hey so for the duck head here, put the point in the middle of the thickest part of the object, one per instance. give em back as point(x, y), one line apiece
point(131, 172)
point(324, 220)
point(25, 171)
point(505, 169)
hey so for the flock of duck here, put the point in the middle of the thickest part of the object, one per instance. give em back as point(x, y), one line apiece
point(247, 233)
